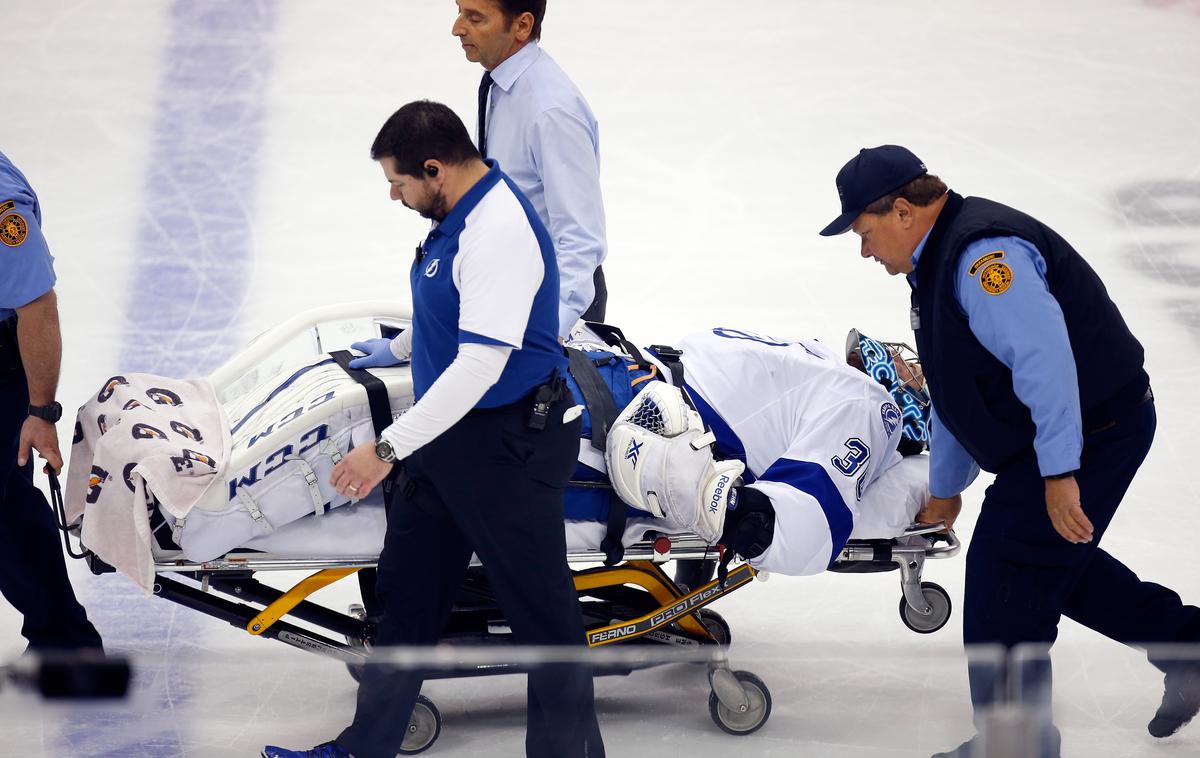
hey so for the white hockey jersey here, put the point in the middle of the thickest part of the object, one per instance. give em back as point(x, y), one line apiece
point(813, 431)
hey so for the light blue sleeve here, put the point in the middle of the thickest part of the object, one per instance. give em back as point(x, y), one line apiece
point(951, 467)
point(26, 266)
point(564, 149)
point(1022, 324)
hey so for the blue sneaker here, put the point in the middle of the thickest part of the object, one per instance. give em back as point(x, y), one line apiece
point(325, 750)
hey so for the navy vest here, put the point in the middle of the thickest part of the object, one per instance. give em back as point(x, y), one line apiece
point(971, 389)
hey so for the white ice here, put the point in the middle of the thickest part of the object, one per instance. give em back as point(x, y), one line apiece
point(722, 127)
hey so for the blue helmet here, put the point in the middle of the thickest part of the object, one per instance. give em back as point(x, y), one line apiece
point(881, 361)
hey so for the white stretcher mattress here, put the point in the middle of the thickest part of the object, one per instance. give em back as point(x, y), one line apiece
point(357, 530)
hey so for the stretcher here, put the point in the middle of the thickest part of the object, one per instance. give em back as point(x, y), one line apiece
point(634, 602)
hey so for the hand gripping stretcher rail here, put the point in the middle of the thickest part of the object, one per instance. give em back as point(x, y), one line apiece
point(634, 602)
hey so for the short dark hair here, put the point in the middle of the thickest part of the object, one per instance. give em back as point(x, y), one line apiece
point(514, 8)
point(420, 131)
point(922, 191)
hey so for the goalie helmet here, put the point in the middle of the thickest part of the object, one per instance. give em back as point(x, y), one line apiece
point(896, 366)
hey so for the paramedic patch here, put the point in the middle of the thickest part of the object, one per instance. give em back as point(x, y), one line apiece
point(996, 278)
point(983, 260)
point(13, 229)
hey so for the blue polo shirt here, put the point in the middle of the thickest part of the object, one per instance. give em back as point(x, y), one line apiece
point(26, 266)
point(487, 274)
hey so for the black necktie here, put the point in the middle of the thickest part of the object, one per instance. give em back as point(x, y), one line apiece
point(485, 86)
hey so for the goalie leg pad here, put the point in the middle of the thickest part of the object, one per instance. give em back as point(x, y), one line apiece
point(674, 478)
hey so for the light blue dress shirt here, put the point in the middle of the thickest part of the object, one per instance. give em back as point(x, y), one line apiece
point(26, 266)
point(1024, 328)
point(545, 138)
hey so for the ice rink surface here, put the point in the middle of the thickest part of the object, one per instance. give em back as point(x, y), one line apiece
point(203, 171)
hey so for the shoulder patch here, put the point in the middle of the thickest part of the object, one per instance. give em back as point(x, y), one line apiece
point(13, 229)
point(996, 278)
point(7, 206)
point(995, 255)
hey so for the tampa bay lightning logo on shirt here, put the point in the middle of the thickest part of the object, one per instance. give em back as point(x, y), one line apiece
point(432, 269)
point(891, 418)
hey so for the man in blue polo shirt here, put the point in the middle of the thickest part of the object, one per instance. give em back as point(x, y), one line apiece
point(34, 578)
point(485, 451)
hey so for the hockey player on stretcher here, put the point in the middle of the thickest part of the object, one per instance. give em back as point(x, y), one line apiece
point(776, 448)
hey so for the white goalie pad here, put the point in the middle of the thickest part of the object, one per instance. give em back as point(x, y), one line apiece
point(659, 459)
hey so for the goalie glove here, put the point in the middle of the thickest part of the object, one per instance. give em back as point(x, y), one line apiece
point(660, 460)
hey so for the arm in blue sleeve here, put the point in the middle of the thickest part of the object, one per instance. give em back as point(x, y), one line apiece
point(565, 152)
point(951, 467)
point(26, 266)
point(1023, 327)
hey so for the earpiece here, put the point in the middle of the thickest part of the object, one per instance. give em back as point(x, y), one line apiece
point(431, 170)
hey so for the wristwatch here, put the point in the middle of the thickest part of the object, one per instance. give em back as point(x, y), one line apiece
point(384, 451)
point(51, 413)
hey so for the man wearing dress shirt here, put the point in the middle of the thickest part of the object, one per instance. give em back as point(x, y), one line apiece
point(537, 125)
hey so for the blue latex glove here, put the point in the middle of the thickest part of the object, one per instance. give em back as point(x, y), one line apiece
point(378, 354)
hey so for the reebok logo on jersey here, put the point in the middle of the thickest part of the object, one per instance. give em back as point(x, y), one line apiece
point(633, 451)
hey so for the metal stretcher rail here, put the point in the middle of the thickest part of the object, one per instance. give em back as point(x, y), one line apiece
point(659, 549)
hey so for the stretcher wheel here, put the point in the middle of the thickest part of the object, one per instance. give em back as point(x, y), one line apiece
point(717, 626)
point(423, 728)
point(938, 599)
point(742, 722)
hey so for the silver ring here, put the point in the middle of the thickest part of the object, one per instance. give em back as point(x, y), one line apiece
point(352, 488)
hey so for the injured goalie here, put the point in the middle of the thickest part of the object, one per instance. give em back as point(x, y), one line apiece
point(775, 448)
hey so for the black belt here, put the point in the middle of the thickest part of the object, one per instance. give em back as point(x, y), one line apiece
point(1105, 415)
point(537, 401)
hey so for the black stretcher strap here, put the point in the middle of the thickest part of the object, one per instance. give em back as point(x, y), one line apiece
point(614, 337)
point(599, 409)
point(596, 396)
point(603, 411)
point(381, 412)
point(377, 396)
point(670, 357)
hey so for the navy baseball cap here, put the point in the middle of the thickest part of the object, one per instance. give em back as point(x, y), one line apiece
point(873, 173)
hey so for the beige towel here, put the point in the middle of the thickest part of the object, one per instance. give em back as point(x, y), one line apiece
point(142, 432)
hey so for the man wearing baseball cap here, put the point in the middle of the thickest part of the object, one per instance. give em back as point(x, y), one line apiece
point(1034, 377)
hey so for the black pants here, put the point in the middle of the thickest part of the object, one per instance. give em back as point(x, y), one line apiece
point(1021, 576)
point(498, 489)
point(34, 577)
point(599, 306)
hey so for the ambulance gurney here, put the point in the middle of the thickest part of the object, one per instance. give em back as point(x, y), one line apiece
point(229, 477)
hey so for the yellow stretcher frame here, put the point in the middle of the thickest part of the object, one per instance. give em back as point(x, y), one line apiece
point(675, 606)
